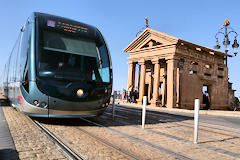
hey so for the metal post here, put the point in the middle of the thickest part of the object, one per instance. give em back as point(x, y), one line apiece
point(144, 111)
point(196, 117)
point(113, 105)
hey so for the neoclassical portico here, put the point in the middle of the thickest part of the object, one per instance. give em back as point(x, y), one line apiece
point(172, 72)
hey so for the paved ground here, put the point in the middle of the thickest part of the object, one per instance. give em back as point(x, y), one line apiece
point(168, 134)
point(190, 112)
point(214, 139)
point(29, 141)
point(221, 118)
point(7, 147)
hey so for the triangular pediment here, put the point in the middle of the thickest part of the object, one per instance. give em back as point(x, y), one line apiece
point(150, 38)
point(150, 43)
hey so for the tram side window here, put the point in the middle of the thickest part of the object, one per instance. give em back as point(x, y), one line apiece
point(105, 60)
point(13, 61)
point(25, 44)
point(105, 64)
point(5, 79)
point(8, 71)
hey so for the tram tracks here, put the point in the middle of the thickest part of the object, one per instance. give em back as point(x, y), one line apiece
point(187, 124)
point(116, 147)
point(145, 142)
point(211, 129)
point(67, 151)
point(110, 144)
point(142, 141)
point(180, 139)
point(202, 145)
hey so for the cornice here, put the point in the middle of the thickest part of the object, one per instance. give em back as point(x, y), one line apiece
point(156, 36)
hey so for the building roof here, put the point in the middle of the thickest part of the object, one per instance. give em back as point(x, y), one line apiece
point(163, 39)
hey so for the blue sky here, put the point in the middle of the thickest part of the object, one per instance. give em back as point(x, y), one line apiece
point(119, 21)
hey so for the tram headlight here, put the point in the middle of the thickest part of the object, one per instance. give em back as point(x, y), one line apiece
point(80, 93)
point(106, 90)
point(35, 102)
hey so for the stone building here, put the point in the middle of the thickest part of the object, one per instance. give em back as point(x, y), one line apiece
point(173, 72)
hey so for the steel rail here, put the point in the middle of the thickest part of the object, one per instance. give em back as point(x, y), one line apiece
point(159, 147)
point(186, 124)
point(66, 150)
point(170, 117)
point(110, 144)
point(202, 145)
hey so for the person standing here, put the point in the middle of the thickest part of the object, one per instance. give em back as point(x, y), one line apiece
point(123, 95)
point(206, 100)
point(130, 94)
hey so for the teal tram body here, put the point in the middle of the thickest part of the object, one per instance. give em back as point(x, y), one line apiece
point(58, 68)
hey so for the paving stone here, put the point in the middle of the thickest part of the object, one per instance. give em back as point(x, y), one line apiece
point(29, 141)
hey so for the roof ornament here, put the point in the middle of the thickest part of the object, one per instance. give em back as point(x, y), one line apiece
point(142, 29)
point(226, 23)
point(146, 22)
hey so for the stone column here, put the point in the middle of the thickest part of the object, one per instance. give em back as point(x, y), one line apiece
point(164, 91)
point(131, 74)
point(171, 83)
point(155, 99)
point(142, 81)
point(178, 88)
point(164, 86)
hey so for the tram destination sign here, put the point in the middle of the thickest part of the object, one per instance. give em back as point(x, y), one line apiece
point(66, 26)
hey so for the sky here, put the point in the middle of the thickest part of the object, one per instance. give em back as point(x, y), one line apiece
point(120, 20)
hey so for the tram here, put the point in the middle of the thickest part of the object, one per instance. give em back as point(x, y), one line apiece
point(58, 68)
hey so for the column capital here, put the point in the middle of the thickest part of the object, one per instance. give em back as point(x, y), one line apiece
point(170, 60)
point(141, 62)
point(130, 62)
point(155, 61)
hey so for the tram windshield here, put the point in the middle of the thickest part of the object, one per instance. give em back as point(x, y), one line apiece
point(73, 58)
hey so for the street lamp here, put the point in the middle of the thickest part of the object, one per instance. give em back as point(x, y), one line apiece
point(226, 41)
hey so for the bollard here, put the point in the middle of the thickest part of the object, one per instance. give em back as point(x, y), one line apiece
point(144, 111)
point(113, 105)
point(196, 117)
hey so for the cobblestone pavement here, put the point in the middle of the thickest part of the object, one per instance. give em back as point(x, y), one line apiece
point(29, 141)
point(92, 149)
point(87, 146)
point(214, 142)
point(163, 138)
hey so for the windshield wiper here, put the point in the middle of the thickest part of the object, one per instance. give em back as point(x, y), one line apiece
point(99, 60)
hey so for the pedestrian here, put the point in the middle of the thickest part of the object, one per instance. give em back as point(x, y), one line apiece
point(128, 93)
point(132, 95)
point(123, 95)
point(206, 100)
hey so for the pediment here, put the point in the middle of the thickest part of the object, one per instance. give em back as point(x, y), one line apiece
point(150, 38)
point(151, 43)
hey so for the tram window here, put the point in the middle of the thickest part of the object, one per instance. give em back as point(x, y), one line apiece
point(62, 43)
point(73, 58)
point(104, 68)
point(105, 73)
point(24, 48)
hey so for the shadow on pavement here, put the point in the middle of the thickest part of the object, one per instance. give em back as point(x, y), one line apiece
point(123, 118)
point(8, 154)
point(220, 140)
point(4, 102)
